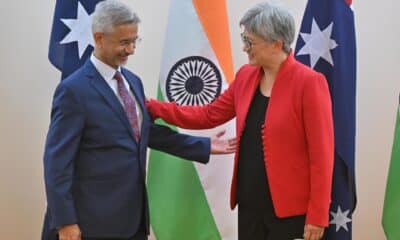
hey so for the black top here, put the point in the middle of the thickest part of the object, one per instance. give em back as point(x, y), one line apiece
point(253, 189)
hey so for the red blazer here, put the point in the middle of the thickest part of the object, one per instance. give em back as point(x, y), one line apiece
point(297, 135)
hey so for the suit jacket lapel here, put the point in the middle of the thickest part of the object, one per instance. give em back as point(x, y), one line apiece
point(136, 90)
point(100, 84)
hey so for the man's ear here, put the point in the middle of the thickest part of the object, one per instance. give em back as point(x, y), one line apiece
point(98, 38)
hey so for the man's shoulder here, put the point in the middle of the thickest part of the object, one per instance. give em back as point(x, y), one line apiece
point(79, 77)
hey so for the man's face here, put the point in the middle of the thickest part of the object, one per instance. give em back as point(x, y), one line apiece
point(114, 47)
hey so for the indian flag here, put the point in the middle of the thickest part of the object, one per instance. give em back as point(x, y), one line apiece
point(190, 200)
point(391, 208)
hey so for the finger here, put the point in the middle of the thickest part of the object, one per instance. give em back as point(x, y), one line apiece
point(232, 141)
point(62, 236)
point(232, 146)
point(306, 234)
point(311, 237)
point(321, 234)
point(315, 235)
point(231, 149)
point(220, 133)
point(76, 237)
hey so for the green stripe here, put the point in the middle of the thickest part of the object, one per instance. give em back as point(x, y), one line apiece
point(178, 205)
point(391, 209)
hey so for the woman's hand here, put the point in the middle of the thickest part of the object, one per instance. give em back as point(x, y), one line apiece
point(313, 232)
point(222, 146)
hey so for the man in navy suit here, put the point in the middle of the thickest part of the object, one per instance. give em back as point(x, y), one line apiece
point(95, 154)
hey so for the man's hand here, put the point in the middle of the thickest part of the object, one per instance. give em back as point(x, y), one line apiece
point(69, 232)
point(313, 232)
point(222, 146)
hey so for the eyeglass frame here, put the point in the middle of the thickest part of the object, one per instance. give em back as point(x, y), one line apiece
point(135, 42)
point(246, 41)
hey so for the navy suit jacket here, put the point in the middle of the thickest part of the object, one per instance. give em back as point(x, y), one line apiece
point(94, 169)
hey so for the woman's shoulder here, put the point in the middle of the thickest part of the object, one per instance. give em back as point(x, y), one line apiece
point(247, 68)
point(308, 78)
point(305, 71)
point(247, 72)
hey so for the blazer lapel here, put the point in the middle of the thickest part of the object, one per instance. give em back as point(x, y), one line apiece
point(249, 92)
point(100, 84)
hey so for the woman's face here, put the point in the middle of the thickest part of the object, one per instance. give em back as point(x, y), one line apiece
point(259, 51)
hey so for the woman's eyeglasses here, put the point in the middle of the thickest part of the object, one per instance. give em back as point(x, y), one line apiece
point(246, 41)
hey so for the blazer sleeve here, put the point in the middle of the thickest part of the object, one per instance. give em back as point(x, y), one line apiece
point(62, 144)
point(196, 117)
point(318, 124)
point(189, 147)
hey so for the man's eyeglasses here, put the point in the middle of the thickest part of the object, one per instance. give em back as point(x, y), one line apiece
point(137, 40)
point(134, 41)
point(246, 41)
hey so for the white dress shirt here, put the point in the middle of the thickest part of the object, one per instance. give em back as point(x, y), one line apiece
point(108, 72)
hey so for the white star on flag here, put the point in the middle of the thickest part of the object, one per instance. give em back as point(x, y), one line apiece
point(318, 44)
point(80, 30)
point(340, 219)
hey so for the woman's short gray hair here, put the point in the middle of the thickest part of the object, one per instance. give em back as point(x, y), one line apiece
point(272, 22)
point(111, 13)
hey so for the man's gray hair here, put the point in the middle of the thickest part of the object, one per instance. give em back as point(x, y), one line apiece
point(271, 21)
point(110, 13)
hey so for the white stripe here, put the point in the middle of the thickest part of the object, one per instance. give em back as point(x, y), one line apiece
point(186, 37)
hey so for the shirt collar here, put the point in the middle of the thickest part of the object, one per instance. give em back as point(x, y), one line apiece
point(105, 70)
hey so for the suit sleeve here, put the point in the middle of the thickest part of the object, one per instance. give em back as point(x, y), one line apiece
point(164, 139)
point(318, 123)
point(189, 147)
point(62, 144)
point(196, 117)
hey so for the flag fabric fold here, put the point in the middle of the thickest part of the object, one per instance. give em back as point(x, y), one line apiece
point(190, 200)
point(327, 44)
point(391, 208)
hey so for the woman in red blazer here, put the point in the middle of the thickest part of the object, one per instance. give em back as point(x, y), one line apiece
point(284, 160)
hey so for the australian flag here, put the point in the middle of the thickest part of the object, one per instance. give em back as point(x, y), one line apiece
point(71, 41)
point(327, 44)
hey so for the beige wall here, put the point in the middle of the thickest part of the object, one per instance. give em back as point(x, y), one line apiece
point(28, 82)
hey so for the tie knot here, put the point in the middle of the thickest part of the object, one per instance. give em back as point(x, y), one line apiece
point(118, 76)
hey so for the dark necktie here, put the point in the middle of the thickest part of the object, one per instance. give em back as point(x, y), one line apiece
point(129, 105)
